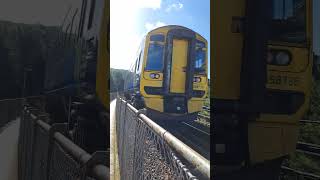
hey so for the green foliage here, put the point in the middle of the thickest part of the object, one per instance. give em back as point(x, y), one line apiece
point(117, 80)
point(23, 45)
point(310, 133)
point(304, 163)
point(314, 112)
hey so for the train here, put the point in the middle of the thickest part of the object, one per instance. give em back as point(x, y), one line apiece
point(168, 76)
point(76, 79)
point(264, 54)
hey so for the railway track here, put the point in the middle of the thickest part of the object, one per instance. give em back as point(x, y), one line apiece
point(308, 148)
point(301, 174)
point(193, 134)
point(204, 117)
point(310, 121)
point(201, 130)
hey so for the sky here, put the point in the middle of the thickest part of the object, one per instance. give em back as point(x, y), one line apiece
point(132, 19)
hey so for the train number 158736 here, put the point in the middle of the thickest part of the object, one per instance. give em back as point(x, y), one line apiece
point(283, 80)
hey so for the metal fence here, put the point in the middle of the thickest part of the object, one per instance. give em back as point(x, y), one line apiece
point(145, 153)
point(45, 152)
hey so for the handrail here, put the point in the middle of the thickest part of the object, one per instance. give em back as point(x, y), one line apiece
point(92, 165)
point(199, 162)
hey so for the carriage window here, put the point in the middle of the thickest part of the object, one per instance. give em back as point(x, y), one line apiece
point(155, 57)
point(289, 21)
point(157, 37)
point(200, 63)
point(139, 63)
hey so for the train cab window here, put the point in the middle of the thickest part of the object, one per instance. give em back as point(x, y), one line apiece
point(200, 63)
point(136, 66)
point(155, 57)
point(139, 63)
point(157, 37)
point(289, 21)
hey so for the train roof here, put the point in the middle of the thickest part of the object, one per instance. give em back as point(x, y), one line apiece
point(176, 26)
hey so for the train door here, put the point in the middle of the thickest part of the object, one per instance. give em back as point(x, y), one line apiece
point(228, 38)
point(179, 63)
point(228, 140)
point(103, 55)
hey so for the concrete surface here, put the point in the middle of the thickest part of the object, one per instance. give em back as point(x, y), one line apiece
point(9, 151)
point(114, 159)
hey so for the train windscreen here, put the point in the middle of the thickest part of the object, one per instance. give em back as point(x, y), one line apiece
point(200, 63)
point(289, 21)
point(155, 57)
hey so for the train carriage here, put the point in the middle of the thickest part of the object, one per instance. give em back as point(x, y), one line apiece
point(169, 74)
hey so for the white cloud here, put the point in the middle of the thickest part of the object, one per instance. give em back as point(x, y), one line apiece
point(124, 38)
point(150, 26)
point(174, 6)
point(153, 4)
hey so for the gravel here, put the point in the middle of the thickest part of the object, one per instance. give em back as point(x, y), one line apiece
point(155, 166)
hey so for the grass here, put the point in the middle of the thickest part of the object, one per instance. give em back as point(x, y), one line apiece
point(309, 133)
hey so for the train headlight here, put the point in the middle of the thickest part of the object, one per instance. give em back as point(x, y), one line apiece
point(196, 79)
point(282, 58)
point(154, 76)
point(279, 57)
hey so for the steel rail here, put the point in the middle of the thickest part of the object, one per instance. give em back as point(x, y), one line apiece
point(206, 133)
point(310, 121)
point(308, 148)
point(301, 173)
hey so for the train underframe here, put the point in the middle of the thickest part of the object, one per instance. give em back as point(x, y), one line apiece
point(137, 101)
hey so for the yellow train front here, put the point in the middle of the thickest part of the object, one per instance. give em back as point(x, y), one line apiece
point(263, 59)
point(169, 75)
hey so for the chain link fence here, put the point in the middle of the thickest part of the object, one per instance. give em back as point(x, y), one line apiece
point(45, 152)
point(143, 153)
